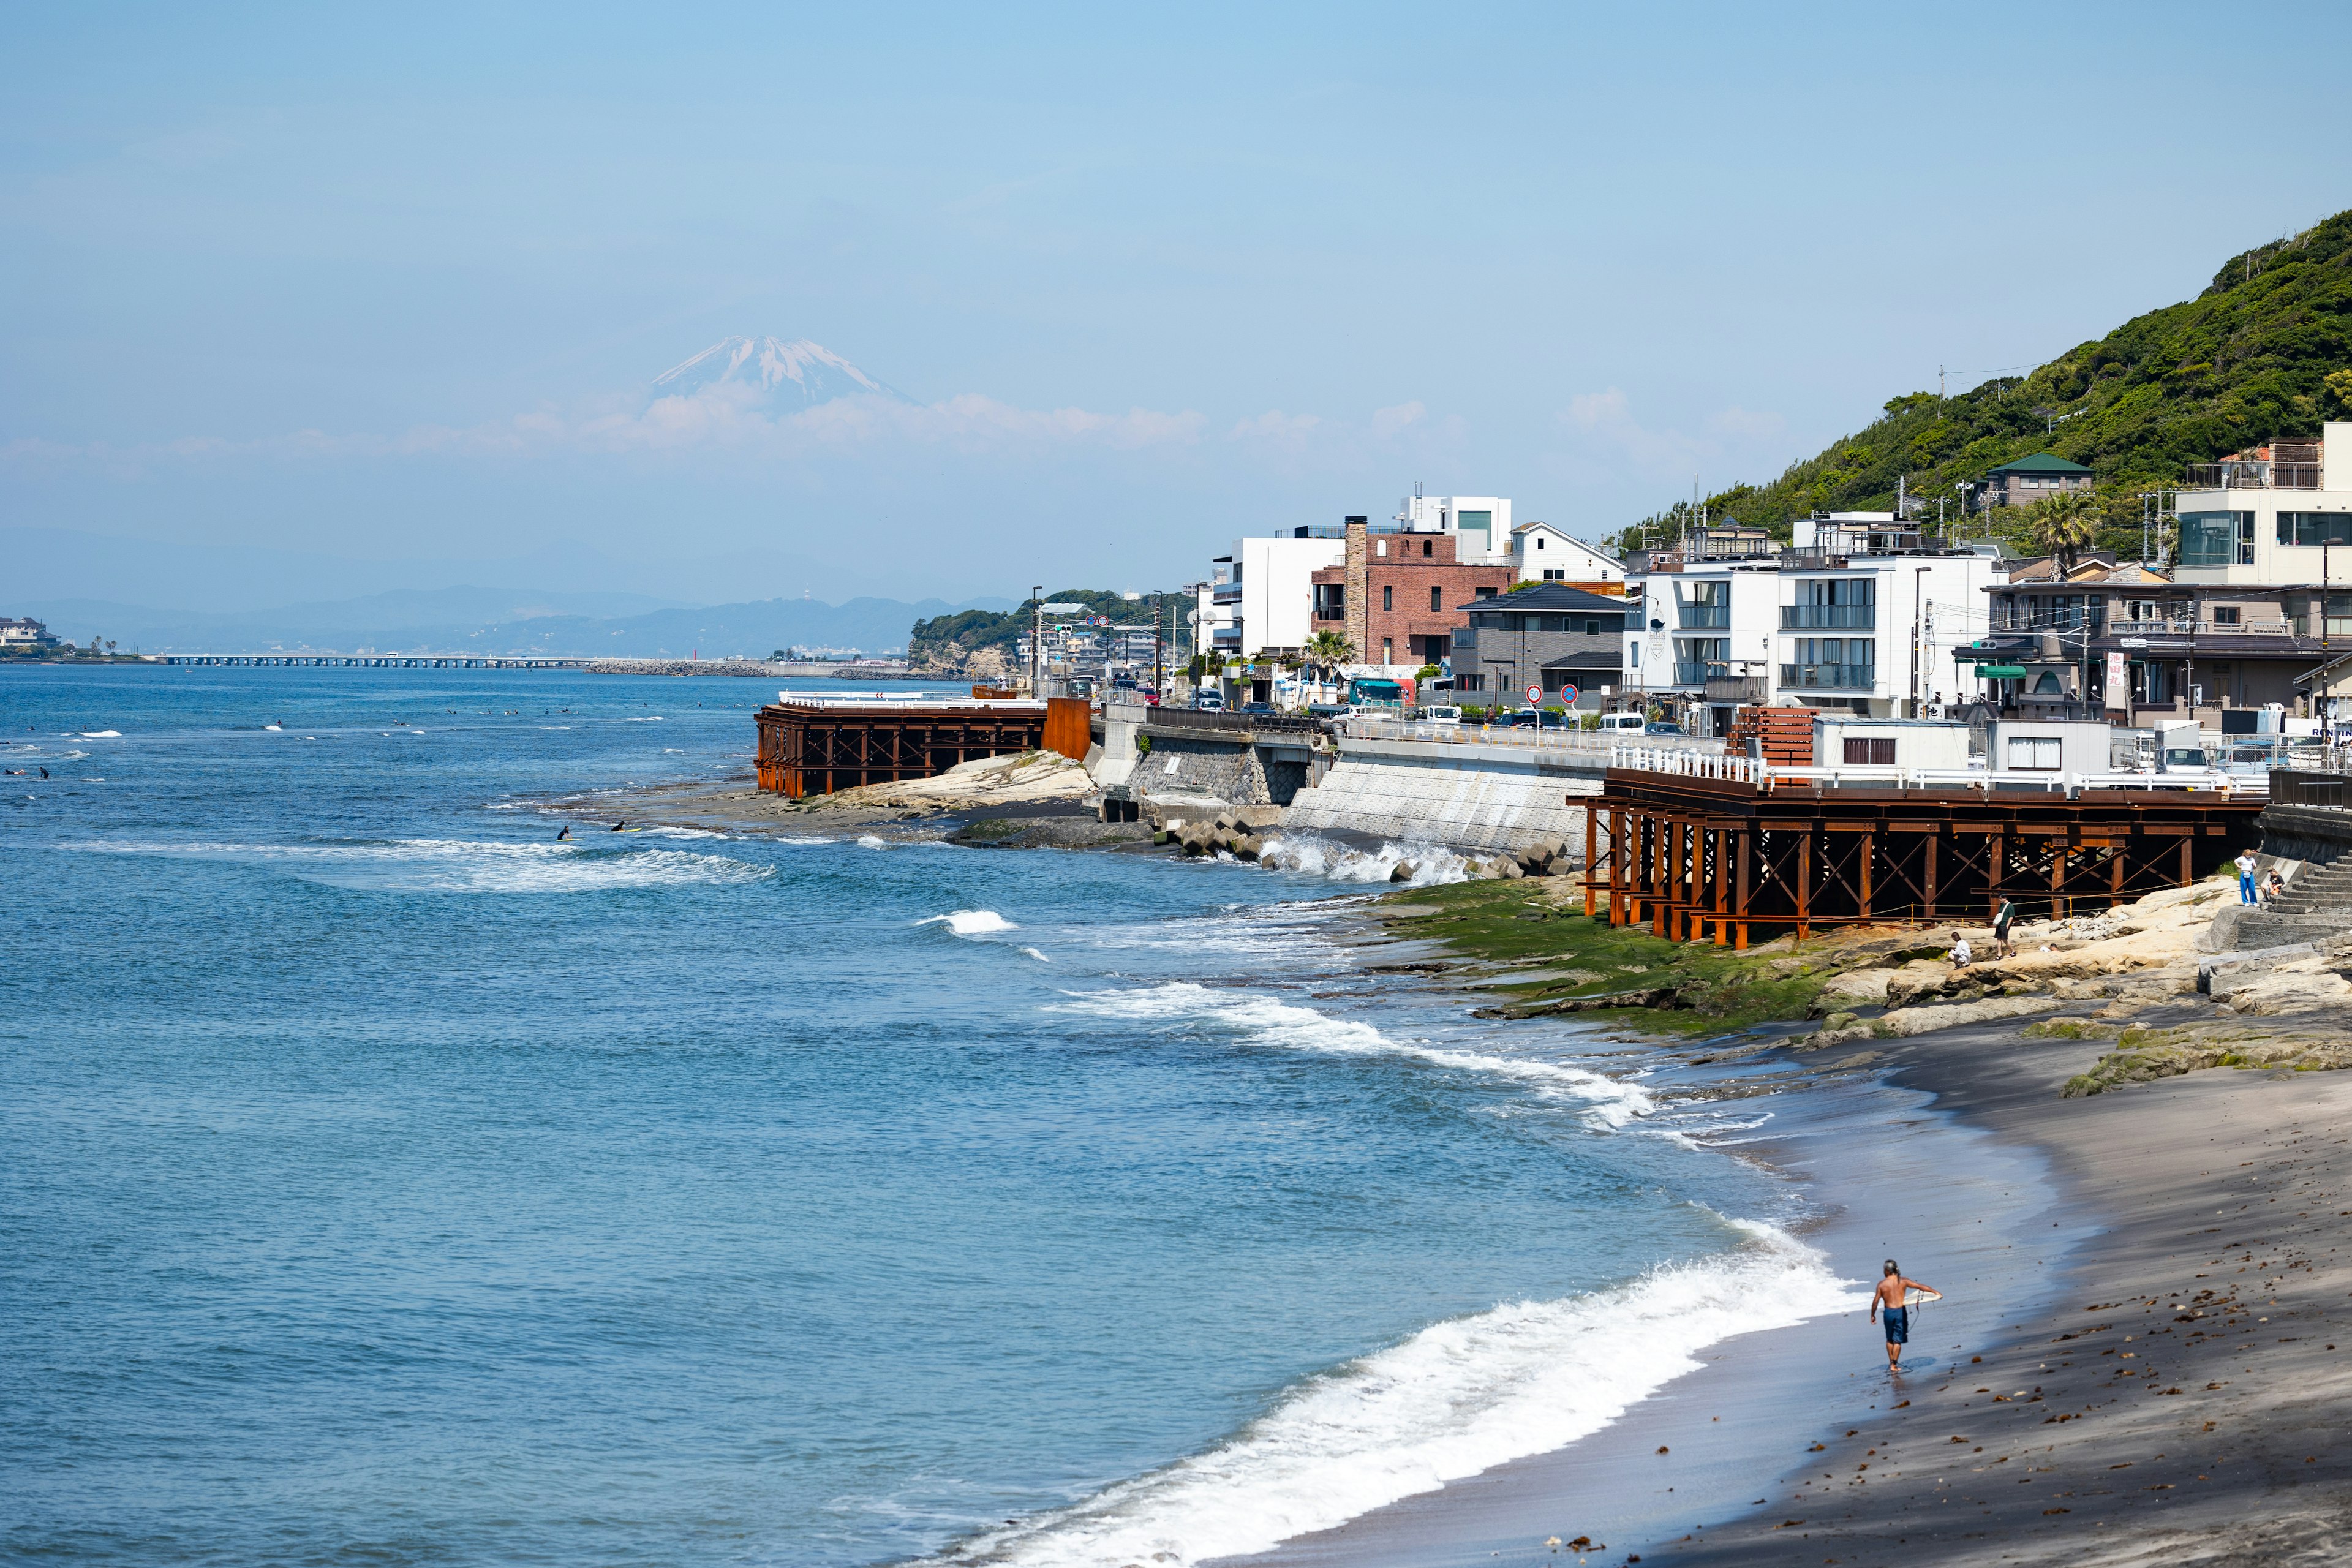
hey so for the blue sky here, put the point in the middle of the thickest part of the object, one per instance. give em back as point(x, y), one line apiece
point(390, 289)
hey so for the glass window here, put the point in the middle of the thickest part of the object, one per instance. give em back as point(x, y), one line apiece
point(2209, 538)
point(1388, 596)
point(2315, 528)
point(1873, 752)
point(1436, 601)
point(2225, 614)
point(2035, 751)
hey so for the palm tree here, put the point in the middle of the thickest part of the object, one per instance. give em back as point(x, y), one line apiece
point(2064, 526)
point(1329, 650)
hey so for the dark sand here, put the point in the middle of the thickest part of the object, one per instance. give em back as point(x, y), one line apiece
point(2140, 1432)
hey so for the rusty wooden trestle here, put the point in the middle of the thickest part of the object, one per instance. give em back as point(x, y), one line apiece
point(827, 744)
point(1697, 858)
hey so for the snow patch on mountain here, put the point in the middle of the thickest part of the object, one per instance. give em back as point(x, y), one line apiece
point(771, 371)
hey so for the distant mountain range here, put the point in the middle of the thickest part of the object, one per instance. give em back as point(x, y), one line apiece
point(796, 374)
point(493, 621)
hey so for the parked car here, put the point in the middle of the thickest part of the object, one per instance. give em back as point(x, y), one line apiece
point(1441, 715)
point(1535, 719)
point(1611, 723)
point(1209, 702)
point(1258, 707)
point(1661, 729)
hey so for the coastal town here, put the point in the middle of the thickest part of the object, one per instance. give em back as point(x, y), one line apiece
point(1477, 787)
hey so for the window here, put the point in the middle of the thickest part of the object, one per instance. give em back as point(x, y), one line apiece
point(2313, 528)
point(1388, 650)
point(1388, 596)
point(1555, 574)
point(1826, 603)
point(1870, 751)
point(1707, 606)
point(1539, 542)
point(1593, 625)
point(1487, 593)
point(2225, 614)
point(1429, 547)
point(1476, 522)
point(2209, 538)
point(2033, 753)
point(1380, 547)
point(1436, 602)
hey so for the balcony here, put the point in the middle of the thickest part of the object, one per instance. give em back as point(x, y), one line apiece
point(1829, 677)
point(1698, 672)
point(1705, 617)
point(1828, 617)
point(1736, 688)
point(2248, 474)
point(2185, 626)
point(1226, 594)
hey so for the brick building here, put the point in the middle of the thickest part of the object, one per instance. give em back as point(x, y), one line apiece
point(1399, 594)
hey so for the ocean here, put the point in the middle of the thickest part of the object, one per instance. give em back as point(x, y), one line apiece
point(386, 1181)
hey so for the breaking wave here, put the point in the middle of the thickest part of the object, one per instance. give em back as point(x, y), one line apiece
point(1430, 863)
point(970, 922)
point(1456, 1398)
point(468, 866)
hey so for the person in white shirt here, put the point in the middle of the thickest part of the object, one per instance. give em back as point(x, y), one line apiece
point(2245, 864)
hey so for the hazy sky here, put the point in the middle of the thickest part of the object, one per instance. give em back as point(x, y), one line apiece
point(394, 288)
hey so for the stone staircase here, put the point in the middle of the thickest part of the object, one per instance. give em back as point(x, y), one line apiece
point(2317, 904)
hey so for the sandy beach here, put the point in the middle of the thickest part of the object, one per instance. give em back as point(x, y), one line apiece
point(2136, 1361)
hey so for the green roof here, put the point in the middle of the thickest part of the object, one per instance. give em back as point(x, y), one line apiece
point(2042, 463)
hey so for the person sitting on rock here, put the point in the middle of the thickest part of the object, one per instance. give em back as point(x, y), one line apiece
point(1962, 954)
point(2274, 886)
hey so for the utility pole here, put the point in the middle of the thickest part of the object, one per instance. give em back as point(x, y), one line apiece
point(1036, 639)
point(1918, 581)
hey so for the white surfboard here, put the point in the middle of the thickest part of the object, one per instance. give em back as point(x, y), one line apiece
point(1913, 1296)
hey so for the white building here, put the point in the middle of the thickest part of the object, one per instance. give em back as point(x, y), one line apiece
point(1261, 598)
point(1542, 553)
point(2280, 515)
point(1481, 524)
point(1727, 617)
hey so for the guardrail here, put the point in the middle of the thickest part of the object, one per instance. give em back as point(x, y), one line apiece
point(1766, 776)
point(1597, 743)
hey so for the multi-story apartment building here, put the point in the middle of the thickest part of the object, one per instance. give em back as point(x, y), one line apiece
point(2261, 585)
point(1397, 594)
point(1852, 615)
point(1258, 601)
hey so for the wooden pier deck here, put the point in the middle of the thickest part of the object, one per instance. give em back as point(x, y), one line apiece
point(1700, 858)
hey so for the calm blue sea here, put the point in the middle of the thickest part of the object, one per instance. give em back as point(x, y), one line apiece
point(382, 1181)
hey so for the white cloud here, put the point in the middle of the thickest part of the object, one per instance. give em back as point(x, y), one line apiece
point(1387, 422)
point(1289, 431)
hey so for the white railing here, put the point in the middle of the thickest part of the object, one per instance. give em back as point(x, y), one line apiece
point(1596, 744)
point(900, 700)
point(1690, 762)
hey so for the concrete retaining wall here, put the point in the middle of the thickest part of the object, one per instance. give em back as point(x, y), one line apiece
point(1464, 796)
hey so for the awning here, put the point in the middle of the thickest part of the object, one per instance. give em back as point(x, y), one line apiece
point(1978, 651)
point(2001, 671)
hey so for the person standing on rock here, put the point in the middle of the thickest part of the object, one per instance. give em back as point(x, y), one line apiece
point(2245, 864)
point(1889, 1299)
point(2001, 923)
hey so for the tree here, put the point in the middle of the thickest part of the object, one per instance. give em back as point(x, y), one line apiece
point(2064, 526)
point(1329, 650)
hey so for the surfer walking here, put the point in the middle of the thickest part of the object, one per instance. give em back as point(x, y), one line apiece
point(1892, 1299)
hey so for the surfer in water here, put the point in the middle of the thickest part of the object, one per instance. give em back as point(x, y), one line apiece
point(560, 837)
point(621, 825)
point(1890, 1297)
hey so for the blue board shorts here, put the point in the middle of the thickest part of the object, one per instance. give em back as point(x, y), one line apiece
point(1898, 1325)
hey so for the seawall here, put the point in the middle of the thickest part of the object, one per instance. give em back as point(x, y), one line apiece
point(1463, 794)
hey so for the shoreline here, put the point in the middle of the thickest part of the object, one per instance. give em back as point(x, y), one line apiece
point(2109, 1473)
point(2094, 1180)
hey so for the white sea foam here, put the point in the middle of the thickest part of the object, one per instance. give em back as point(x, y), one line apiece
point(1283, 1026)
point(102, 734)
point(1457, 1398)
point(971, 922)
point(868, 841)
point(1318, 856)
point(468, 866)
point(555, 726)
point(1033, 952)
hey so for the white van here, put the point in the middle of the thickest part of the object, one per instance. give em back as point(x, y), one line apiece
point(1441, 715)
point(1630, 722)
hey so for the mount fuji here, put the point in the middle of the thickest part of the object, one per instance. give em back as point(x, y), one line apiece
point(772, 371)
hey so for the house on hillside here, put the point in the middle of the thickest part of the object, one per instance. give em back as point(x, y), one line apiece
point(24, 634)
point(2029, 479)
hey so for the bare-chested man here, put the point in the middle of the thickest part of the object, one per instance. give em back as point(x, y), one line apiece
point(1888, 1298)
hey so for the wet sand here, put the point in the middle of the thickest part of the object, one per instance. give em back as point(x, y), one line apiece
point(2139, 1354)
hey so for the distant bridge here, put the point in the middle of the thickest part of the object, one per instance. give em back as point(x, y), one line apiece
point(366, 661)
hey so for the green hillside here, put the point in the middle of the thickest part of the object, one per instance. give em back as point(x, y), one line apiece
point(2265, 351)
point(948, 639)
